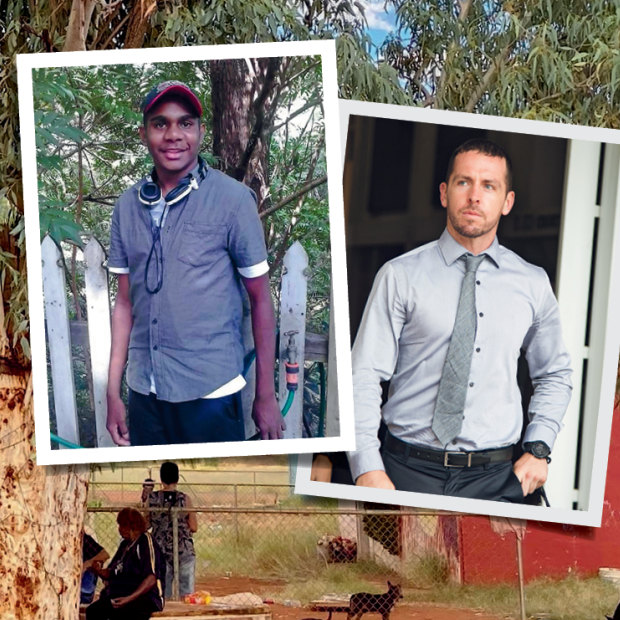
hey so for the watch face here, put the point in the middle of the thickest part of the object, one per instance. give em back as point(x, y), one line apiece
point(539, 449)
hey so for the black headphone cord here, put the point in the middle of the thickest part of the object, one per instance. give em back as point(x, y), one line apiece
point(159, 258)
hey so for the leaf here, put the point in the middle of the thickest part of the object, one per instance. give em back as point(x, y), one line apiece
point(60, 226)
point(25, 347)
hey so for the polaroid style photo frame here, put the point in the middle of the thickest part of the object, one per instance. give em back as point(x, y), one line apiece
point(565, 219)
point(61, 391)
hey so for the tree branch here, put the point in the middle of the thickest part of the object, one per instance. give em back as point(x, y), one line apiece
point(259, 113)
point(289, 80)
point(490, 73)
point(441, 84)
point(486, 79)
point(297, 112)
point(465, 6)
point(300, 192)
point(102, 200)
point(77, 29)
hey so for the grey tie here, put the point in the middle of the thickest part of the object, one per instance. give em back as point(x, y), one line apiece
point(448, 415)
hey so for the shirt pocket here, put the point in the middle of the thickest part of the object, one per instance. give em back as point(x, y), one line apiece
point(202, 243)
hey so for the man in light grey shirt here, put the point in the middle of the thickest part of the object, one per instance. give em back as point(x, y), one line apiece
point(405, 335)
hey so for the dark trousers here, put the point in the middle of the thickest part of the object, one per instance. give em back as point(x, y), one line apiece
point(102, 609)
point(492, 481)
point(158, 422)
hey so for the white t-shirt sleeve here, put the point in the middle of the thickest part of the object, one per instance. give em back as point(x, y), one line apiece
point(253, 271)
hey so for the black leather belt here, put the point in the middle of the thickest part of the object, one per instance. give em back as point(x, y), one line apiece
point(447, 458)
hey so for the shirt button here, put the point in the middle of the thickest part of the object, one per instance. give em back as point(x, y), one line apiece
point(154, 347)
point(478, 282)
point(481, 314)
point(478, 350)
point(454, 442)
point(471, 384)
point(154, 321)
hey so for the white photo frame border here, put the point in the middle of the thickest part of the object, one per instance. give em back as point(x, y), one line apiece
point(607, 336)
point(26, 63)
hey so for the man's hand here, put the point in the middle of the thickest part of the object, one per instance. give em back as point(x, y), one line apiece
point(321, 469)
point(377, 479)
point(120, 601)
point(267, 417)
point(116, 424)
point(531, 472)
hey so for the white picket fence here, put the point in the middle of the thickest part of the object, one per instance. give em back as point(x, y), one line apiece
point(95, 335)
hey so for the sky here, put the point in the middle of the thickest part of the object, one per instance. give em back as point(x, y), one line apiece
point(380, 22)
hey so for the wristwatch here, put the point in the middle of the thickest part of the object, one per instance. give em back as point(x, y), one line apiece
point(539, 449)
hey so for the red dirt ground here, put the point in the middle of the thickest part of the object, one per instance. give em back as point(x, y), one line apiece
point(221, 586)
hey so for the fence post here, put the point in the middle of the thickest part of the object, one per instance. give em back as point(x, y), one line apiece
point(99, 332)
point(293, 319)
point(363, 546)
point(521, 580)
point(236, 518)
point(59, 339)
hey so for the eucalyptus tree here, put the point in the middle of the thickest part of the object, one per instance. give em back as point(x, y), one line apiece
point(555, 61)
point(41, 510)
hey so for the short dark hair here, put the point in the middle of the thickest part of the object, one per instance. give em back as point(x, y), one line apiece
point(486, 147)
point(169, 472)
point(133, 519)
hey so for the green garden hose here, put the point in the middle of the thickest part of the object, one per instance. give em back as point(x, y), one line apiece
point(63, 442)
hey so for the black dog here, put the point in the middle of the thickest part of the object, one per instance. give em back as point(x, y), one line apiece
point(616, 615)
point(363, 602)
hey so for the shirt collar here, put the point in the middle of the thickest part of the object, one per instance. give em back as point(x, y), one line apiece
point(452, 250)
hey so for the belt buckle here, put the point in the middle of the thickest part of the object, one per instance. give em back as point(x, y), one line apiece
point(446, 459)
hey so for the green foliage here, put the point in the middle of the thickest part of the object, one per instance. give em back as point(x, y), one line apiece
point(88, 152)
point(555, 61)
point(60, 226)
point(360, 77)
point(41, 27)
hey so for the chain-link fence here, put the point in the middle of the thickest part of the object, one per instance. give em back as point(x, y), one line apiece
point(326, 558)
point(220, 494)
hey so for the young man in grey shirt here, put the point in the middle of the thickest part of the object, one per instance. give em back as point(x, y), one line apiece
point(183, 242)
point(450, 351)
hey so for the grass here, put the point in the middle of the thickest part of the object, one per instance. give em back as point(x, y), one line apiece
point(271, 546)
point(284, 548)
point(569, 599)
point(306, 576)
point(573, 598)
point(338, 579)
point(275, 547)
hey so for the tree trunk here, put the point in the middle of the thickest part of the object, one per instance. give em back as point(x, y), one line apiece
point(138, 23)
point(242, 98)
point(41, 512)
point(230, 99)
point(79, 21)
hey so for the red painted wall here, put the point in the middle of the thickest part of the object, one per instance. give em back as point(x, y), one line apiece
point(549, 549)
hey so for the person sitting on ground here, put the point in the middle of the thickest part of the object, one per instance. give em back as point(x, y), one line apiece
point(134, 588)
point(92, 552)
point(167, 497)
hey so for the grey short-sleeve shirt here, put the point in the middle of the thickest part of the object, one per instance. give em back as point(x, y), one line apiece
point(188, 334)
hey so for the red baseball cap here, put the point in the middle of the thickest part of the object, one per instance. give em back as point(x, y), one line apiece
point(171, 87)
